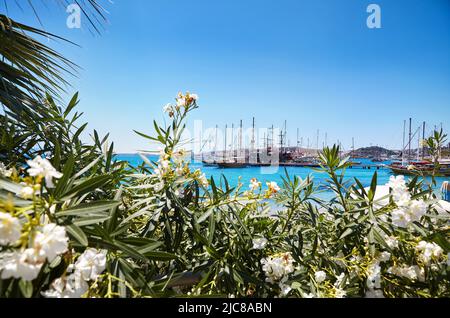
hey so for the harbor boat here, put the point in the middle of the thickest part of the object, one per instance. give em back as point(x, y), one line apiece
point(207, 163)
point(421, 167)
point(259, 164)
point(231, 164)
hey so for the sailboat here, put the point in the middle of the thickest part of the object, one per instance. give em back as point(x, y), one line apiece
point(418, 166)
point(234, 161)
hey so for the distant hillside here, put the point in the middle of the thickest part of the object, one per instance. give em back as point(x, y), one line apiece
point(373, 151)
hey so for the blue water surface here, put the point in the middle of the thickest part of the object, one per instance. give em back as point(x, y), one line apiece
point(263, 175)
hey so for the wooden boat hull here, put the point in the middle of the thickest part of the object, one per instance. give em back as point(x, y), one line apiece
point(209, 164)
point(231, 165)
point(444, 172)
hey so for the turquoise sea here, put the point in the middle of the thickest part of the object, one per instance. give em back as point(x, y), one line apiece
point(245, 174)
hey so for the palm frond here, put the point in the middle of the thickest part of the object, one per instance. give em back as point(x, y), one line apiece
point(29, 68)
point(92, 10)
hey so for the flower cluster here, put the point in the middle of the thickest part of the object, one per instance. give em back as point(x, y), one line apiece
point(182, 102)
point(428, 251)
point(320, 276)
point(46, 244)
point(259, 243)
point(277, 268)
point(413, 272)
point(272, 188)
point(10, 229)
point(88, 267)
point(42, 168)
point(29, 242)
point(254, 184)
point(408, 211)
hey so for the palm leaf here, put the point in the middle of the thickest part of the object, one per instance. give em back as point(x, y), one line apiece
point(28, 68)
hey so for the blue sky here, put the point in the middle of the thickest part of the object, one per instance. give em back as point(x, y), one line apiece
point(314, 63)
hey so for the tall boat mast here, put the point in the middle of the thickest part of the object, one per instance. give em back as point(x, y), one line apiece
point(423, 138)
point(240, 138)
point(215, 141)
point(232, 141)
point(418, 145)
point(409, 140)
point(317, 142)
point(225, 136)
point(253, 135)
point(403, 146)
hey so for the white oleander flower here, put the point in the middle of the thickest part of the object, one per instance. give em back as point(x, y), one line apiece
point(25, 265)
point(43, 168)
point(71, 286)
point(428, 251)
point(384, 256)
point(53, 241)
point(277, 266)
point(391, 241)
point(254, 184)
point(413, 272)
point(402, 199)
point(400, 192)
point(400, 218)
point(273, 186)
point(409, 213)
point(417, 209)
point(320, 276)
point(194, 97)
point(397, 183)
point(181, 101)
point(10, 229)
point(259, 243)
point(168, 109)
point(91, 263)
point(5, 172)
point(26, 192)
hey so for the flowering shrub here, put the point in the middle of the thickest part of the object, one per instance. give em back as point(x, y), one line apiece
point(76, 223)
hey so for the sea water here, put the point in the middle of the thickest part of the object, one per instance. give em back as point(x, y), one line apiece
point(244, 175)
